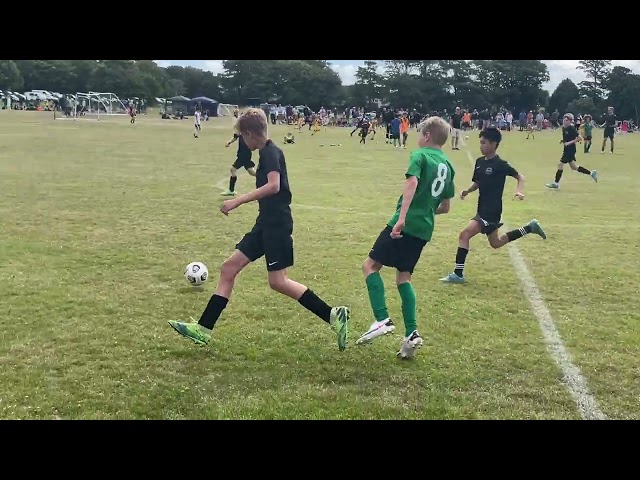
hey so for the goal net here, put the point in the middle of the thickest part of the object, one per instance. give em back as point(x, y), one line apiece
point(226, 109)
point(98, 105)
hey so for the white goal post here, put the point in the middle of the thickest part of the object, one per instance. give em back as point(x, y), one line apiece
point(98, 104)
point(226, 109)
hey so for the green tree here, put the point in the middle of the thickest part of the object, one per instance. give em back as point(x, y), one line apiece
point(369, 83)
point(582, 106)
point(565, 93)
point(10, 76)
point(624, 96)
point(514, 84)
point(596, 72)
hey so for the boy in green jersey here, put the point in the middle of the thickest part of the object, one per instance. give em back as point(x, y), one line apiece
point(427, 193)
point(587, 134)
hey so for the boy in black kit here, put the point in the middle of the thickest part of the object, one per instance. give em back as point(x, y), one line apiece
point(270, 237)
point(569, 138)
point(242, 161)
point(364, 130)
point(489, 177)
point(610, 122)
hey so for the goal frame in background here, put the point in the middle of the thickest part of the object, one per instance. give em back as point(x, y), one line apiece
point(98, 105)
point(226, 109)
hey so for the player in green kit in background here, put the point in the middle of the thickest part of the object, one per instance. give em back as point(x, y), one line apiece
point(427, 193)
point(588, 132)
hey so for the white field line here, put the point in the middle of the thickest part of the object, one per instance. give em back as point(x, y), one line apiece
point(223, 184)
point(573, 379)
point(572, 376)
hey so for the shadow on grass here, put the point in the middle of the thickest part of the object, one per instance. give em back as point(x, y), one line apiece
point(199, 289)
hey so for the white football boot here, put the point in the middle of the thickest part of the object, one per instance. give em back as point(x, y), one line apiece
point(376, 330)
point(410, 345)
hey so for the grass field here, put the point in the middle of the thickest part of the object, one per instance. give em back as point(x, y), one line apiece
point(99, 219)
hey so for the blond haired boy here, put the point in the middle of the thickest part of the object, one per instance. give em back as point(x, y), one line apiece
point(427, 192)
point(271, 237)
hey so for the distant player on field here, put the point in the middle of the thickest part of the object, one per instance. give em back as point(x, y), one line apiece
point(364, 129)
point(489, 175)
point(609, 123)
point(317, 123)
point(395, 131)
point(270, 237)
point(428, 188)
point(243, 160)
point(456, 125)
point(530, 125)
point(359, 123)
point(387, 118)
point(405, 125)
point(196, 124)
point(569, 138)
point(587, 132)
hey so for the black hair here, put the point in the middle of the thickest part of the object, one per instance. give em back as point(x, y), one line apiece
point(492, 134)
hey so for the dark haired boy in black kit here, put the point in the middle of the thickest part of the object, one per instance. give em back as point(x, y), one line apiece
point(609, 123)
point(358, 125)
point(489, 175)
point(270, 237)
point(243, 160)
point(569, 138)
point(388, 116)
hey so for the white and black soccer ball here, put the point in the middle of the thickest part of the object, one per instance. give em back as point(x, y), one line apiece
point(196, 273)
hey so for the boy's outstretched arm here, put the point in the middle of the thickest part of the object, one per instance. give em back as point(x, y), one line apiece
point(474, 186)
point(444, 207)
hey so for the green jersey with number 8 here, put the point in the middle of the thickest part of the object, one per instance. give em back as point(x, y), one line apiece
point(435, 183)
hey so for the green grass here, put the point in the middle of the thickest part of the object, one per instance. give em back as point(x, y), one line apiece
point(99, 219)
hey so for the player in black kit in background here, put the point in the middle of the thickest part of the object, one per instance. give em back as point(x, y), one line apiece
point(364, 130)
point(243, 160)
point(270, 237)
point(358, 125)
point(569, 138)
point(610, 122)
point(489, 177)
point(456, 125)
point(387, 117)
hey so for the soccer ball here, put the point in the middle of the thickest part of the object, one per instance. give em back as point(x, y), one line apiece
point(196, 273)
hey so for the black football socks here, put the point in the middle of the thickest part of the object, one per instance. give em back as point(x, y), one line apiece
point(315, 304)
point(217, 304)
point(213, 311)
point(461, 257)
point(518, 233)
point(558, 176)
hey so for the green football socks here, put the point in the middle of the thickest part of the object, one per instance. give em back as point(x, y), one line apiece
point(375, 286)
point(408, 296)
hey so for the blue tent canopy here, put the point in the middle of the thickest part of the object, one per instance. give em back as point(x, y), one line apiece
point(203, 100)
point(208, 104)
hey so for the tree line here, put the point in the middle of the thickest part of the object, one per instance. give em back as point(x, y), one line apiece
point(426, 85)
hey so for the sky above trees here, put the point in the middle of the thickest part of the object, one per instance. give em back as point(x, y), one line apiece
point(558, 69)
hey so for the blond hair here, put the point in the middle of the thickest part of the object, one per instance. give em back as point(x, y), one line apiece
point(437, 128)
point(253, 121)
